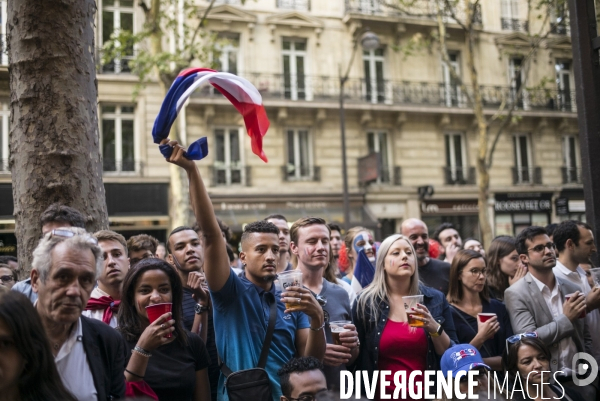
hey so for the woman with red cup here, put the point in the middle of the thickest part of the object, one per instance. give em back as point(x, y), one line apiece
point(479, 320)
point(172, 361)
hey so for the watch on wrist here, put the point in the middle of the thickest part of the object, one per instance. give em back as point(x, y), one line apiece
point(200, 309)
point(438, 332)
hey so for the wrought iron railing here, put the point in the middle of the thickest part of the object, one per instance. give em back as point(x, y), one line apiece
point(459, 175)
point(425, 9)
point(527, 175)
point(513, 24)
point(571, 175)
point(300, 5)
point(111, 166)
point(438, 94)
point(290, 172)
point(231, 175)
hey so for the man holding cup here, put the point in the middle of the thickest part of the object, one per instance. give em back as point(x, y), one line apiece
point(310, 238)
point(242, 305)
point(575, 245)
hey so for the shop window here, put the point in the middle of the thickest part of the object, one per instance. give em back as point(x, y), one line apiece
point(299, 156)
point(117, 16)
point(4, 130)
point(118, 139)
point(229, 166)
point(378, 143)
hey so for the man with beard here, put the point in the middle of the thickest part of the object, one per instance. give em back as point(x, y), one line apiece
point(242, 304)
point(450, 240)
point(105, 299)
point(537, 303)
point(310, 245)
point(433, 273)
point(283, 262)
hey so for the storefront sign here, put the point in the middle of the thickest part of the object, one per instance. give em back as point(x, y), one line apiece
point(562, 206)
point(523, 202)
point(242, 206)
point(449, 207)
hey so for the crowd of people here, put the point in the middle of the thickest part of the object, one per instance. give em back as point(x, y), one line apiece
point(101, 317)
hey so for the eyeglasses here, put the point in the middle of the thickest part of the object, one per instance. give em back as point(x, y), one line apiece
point(477, 272)
point(6, 279)
point(61, 232)
point(542, 247)
point(308, 397)
point(517, 337)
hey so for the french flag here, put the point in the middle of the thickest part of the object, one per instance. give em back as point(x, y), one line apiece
point(239, 91)
point(363, 274)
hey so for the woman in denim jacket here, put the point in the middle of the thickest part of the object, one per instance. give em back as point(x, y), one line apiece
point(387, 342)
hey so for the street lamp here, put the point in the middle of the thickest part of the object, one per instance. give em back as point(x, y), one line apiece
point(368, 41)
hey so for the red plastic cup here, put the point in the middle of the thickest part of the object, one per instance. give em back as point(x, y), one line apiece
point(484, 317)
point(568, 296)
point(157, 310)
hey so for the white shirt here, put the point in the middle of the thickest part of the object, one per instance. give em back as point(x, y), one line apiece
point(73, 367)
point(99, 313)
point(566, 346)
point(592, 319)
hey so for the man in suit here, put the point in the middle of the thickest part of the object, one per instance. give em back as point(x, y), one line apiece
point(537, 303)
point(89, 354)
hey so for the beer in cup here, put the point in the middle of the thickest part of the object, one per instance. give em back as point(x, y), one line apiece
point(290, 279)
point(337, 327)
point(409, 303)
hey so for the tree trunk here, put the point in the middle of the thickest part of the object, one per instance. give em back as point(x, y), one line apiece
point(54, 141)
point(483, 176)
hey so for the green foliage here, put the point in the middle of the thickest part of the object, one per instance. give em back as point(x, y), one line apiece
point(149, 52)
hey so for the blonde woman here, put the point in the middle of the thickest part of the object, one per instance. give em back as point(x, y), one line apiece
point(387, 342)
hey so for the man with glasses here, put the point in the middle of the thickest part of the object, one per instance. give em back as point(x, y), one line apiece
point(302, 379)
point(538, 303)
point(8, 276)
point(89, 354)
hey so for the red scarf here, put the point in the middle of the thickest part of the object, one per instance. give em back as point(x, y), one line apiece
point(107, 303)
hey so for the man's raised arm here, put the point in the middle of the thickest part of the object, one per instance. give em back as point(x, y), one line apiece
point(216, 267)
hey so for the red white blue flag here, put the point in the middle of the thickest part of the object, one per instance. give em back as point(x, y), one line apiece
point(239, 91)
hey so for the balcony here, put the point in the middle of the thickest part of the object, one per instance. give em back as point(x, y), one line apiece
point(571, 175)
point(459, 175)
point(415, 10)
point(122, 167)
point(387, 92)
point(293, 173)
point(231, 175)
point(299, 5)
point(512, 24)
point(527, 175)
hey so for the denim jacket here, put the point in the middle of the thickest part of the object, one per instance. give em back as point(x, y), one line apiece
point(369, 332)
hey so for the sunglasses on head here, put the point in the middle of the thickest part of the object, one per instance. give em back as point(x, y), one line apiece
point(517, 337)
point(64, 233)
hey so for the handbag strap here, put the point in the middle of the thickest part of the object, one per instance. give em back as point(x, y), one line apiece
point(264, 353)
point(459, 313)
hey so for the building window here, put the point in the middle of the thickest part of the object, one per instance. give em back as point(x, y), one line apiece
point(229, 166)
point(118, 139)
point(571, 169)
point(300, 5)
point(227, 50)
point(515, 79)
point(117, 15)
point(564, 97)
point(457, 171)
point(524, 171)
point(510, 17)
point(299, 165)
point(374, 81)
point(4, 130)
point(3, 18)
point(378, 143)
point(369, 6)
point(294, 72)
point(559, 18)
point(452, 91)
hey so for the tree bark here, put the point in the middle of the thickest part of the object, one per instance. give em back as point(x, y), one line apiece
point(54, 141)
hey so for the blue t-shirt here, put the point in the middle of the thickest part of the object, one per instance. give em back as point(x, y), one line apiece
point(241, 317)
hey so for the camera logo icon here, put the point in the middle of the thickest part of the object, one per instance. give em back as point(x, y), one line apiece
point(585, 369)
